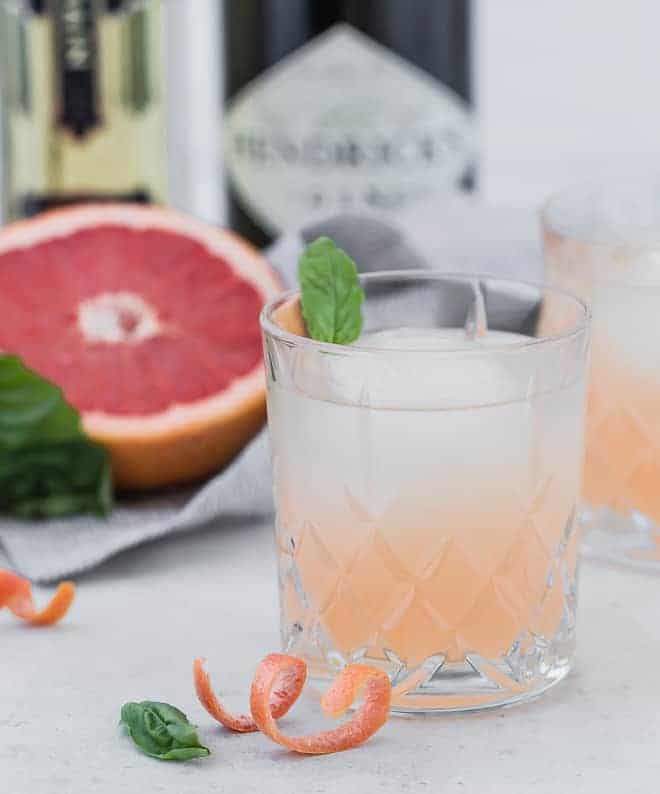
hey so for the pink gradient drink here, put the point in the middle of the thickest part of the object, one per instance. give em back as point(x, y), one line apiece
point(426, 481)
point(603, 242)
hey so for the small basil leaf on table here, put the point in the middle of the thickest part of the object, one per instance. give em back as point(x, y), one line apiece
point(162, 731)
point(331, 295)
point(48, 466)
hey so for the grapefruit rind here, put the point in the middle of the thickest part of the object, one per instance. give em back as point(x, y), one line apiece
point(276, 686)
point(285, 693)
point(16, 595)
point(369, 717)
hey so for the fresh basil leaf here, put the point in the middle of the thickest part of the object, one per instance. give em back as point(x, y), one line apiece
point(157, 729)
point(48, 466)
point(169, 714)
point(185, 754)
point(183, 734)
point(331, 295)
point(162, 731)
point(32, 409)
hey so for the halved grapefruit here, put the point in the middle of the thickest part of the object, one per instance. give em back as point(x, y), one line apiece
point(149, 322)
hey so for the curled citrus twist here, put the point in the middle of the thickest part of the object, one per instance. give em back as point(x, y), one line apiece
point(277, 684)
point(283, 696)
point(369, 717)
point(16, 595)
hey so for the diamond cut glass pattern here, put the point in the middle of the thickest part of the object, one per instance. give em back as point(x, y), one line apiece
point(603, 241)
point(431, 532)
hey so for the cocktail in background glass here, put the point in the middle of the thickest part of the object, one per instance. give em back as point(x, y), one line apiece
point(426, 480)
point(603, 242)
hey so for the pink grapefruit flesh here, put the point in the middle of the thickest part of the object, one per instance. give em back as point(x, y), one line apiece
point(149, 322)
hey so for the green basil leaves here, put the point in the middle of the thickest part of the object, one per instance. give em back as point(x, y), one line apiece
point(331, 293)
point(162, 731)
point(48, 466)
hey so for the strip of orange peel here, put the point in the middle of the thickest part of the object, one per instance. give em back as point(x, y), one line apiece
point(16, 595)
point(369, 717)
point(285, 692)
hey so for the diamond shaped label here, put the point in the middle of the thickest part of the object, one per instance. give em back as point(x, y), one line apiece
point(343, 125)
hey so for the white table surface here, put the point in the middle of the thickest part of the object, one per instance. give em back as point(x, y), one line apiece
point(139, 621)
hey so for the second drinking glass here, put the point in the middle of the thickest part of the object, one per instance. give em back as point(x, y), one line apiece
point(603, 242)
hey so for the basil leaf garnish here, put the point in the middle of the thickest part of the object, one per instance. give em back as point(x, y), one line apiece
point(331, 295)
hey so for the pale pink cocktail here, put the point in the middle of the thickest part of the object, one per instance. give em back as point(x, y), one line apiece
point(426, 480)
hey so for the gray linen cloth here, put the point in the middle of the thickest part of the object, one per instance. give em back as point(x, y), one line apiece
point(457, 236)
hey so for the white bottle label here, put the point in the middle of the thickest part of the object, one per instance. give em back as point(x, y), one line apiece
point(343, 125)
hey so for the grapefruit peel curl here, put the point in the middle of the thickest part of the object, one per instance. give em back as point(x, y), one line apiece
point(276, 686)
point(283, 696)
point(16, 595)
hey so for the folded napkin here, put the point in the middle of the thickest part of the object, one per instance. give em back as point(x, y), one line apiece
point(457, 236)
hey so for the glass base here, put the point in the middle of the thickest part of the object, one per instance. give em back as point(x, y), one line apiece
point(632, 541)
point(532, 665)
point(438, 687)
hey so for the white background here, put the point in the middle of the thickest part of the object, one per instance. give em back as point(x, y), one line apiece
point(565, 89)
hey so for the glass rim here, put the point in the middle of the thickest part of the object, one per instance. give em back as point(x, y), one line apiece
point(270, 327)
point(611, 185)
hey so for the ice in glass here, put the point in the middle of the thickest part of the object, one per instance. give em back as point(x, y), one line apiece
point(426, 480)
